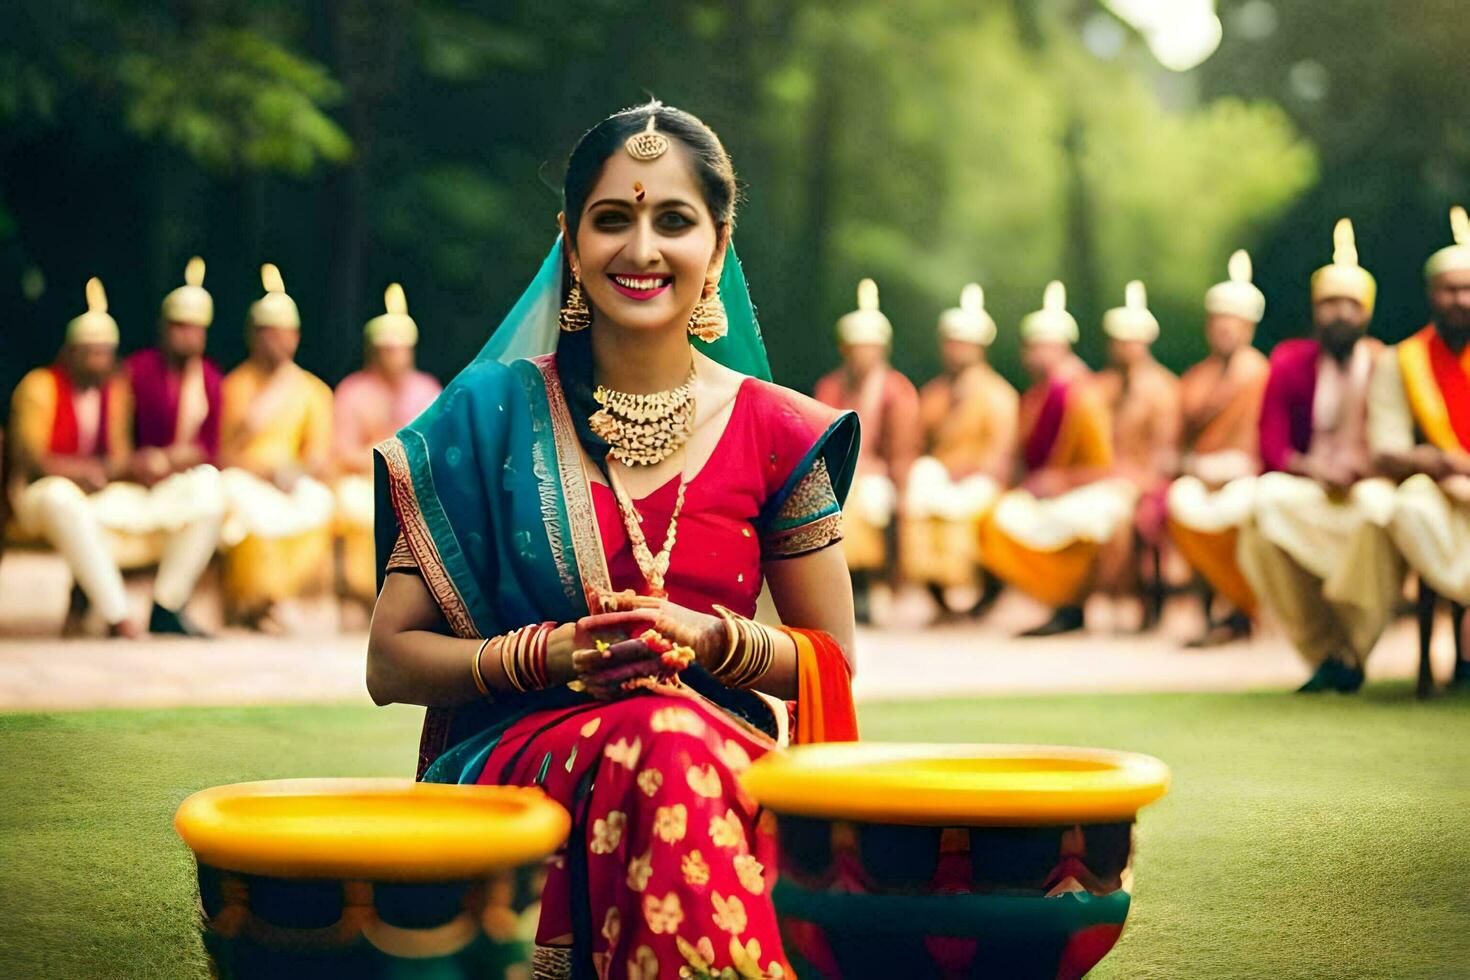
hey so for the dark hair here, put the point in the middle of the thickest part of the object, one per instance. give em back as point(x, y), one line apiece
point(711, 162)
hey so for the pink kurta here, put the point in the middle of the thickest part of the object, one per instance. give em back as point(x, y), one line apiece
point(367, 410)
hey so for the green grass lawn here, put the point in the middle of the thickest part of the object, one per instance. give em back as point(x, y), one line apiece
point(1302, 837)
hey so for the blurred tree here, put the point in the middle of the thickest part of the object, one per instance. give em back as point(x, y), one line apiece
point(1380, 90)
point(119, 121)
point(357, 142)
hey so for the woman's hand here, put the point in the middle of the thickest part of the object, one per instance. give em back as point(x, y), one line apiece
point(605, 650)
point(700, 632)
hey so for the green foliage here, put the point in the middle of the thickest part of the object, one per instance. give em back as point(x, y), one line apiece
point(459, 206)
point(234, 100)
point(958, 152)
point(26, 90)
point(457, 46)
point(925, 144)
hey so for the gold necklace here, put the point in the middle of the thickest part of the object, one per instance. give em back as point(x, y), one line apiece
point(655, 568)
point(644, 430)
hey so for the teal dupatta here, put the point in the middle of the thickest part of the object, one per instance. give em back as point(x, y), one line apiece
point(487, 490)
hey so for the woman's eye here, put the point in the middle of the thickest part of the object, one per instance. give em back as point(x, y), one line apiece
point(610, 219)
point(673, 221)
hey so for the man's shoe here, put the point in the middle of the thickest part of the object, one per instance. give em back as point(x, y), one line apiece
point(1067, 619)
point(1333, 675)
point(1236, 626)
point(167, 621)
point(75, 623)
point(1460, 679)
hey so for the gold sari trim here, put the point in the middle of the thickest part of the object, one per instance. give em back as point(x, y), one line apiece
point(581, 514)
point(415, 532)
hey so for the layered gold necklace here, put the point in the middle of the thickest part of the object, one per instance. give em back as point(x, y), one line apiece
point(645, 430)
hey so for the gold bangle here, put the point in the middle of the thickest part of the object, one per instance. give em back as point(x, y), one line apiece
point(762, 657)
point(732, 637)
point(506, 644)
point(480, 684)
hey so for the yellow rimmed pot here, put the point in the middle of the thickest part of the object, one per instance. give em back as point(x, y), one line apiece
point(369, 877)
point(953, 860)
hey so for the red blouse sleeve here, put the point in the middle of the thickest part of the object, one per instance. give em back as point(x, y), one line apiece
point(810, 450)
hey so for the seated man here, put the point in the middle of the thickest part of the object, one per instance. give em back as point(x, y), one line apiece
point(276, 440)
point(1044, 536)
point(1419, 429)
point(1316, 549)
point(1142, 397)
point(171, 397)
point(370, 405)
point(969, 419)
point(1221, 398)
point(888, 407)
point(68, 440)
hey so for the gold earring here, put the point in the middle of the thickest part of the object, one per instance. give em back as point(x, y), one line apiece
point(575, 315)
point(708, 322)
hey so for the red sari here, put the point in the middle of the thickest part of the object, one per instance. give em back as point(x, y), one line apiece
point(675, 871)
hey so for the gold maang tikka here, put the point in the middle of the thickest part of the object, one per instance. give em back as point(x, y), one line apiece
point(648, 144)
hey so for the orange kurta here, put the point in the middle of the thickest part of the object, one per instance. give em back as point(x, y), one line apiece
point(1064, 428)
point(1222, 407)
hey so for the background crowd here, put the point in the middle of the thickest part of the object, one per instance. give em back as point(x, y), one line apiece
point(1311, 482)
point(165, 460)
point(1085, 481)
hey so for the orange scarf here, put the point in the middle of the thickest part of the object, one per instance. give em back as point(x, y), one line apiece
point(824, 708)
point(1438, 385)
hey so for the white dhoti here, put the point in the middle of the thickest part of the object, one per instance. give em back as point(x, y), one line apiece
point(1048, 548)
point(1204, 525)
point(1431, 527)
point(1325, 565)
point(941, 523)
point(355, 502)
point(277, 541)
point(865, 519)
point(174, 524)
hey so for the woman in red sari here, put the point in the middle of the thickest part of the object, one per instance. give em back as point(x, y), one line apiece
point(580, 527)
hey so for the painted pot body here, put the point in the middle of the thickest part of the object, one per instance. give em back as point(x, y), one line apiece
point(870, 899)
point(263, 927)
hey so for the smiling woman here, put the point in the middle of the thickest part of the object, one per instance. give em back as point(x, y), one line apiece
point(582, 524)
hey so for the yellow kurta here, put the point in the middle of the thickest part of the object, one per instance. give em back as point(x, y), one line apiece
point(279, 540)
point(1210, 502)
point(131, 538)
point(1431, 520)
point(970, 430)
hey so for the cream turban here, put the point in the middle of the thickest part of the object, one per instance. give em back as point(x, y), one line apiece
point(96, 326)
point(1237, 296)
point(1132, 320)
point(1052, 321)
point(1452, 258)
point(394, 328)
point(190, 303)
point(866, 324)
point(968, 322)
point(1344, 277)
point(275, 308)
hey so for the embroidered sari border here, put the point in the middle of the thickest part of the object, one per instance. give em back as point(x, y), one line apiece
point(576, 495)
point(844, 425)
point(417, 532)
